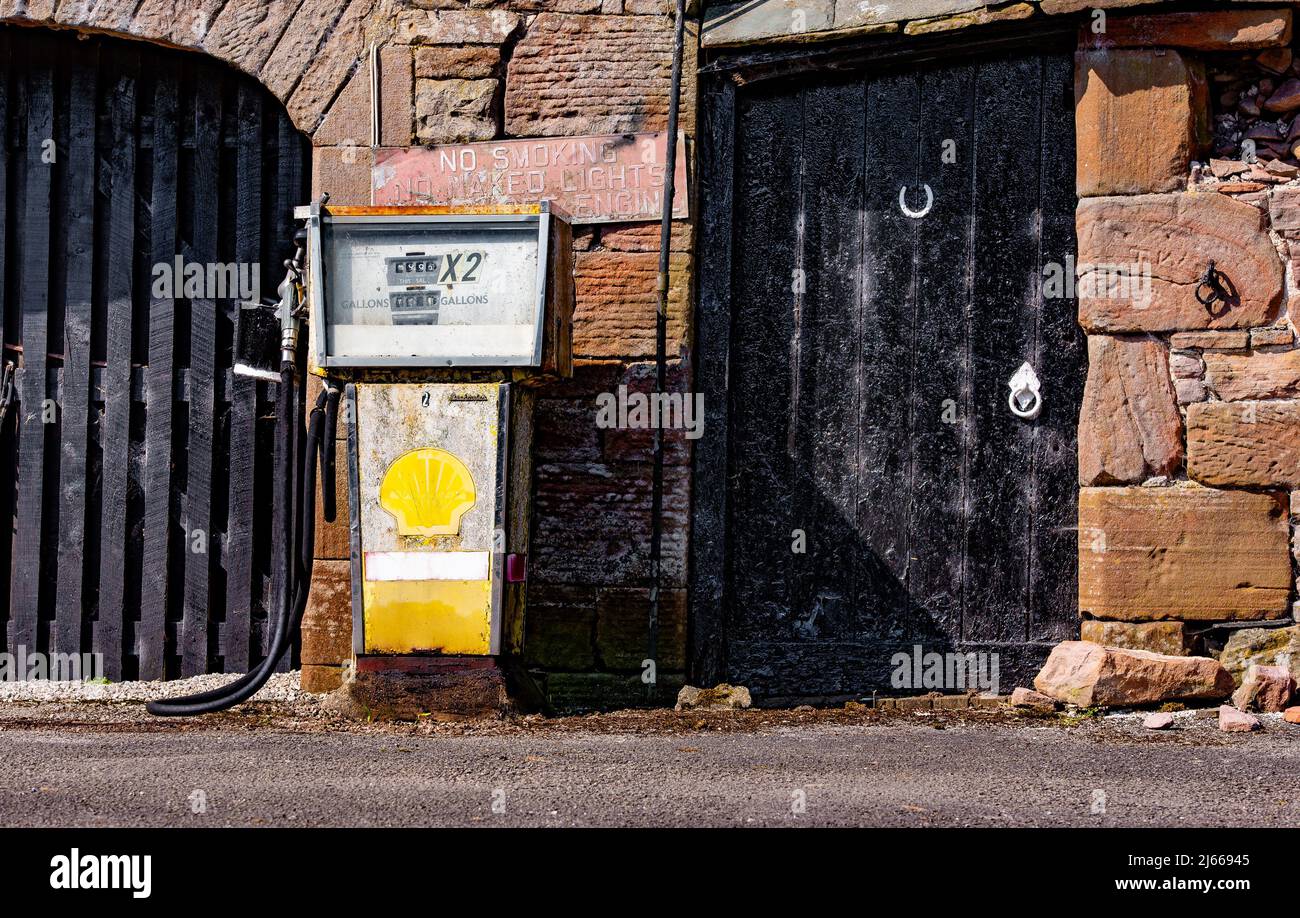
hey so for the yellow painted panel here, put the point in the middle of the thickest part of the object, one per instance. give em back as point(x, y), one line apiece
point(449, 616)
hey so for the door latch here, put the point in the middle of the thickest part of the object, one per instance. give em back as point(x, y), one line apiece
point(1026, 398)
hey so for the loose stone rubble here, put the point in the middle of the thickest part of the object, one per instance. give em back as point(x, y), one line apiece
point(1034, 702)
point(1265, 688)
point(1083, 673)
point(720, 697)
point(1158, 720)
point(1233, 721)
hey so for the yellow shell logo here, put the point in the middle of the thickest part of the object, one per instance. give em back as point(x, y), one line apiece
point(427, 491)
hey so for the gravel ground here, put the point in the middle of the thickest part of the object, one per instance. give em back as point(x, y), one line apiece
point(280, 687)
point(295, 762)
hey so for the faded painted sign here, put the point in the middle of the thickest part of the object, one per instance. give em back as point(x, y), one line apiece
point(613, 178)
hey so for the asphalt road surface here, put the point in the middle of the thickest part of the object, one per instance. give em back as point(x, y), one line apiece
point(899, 772)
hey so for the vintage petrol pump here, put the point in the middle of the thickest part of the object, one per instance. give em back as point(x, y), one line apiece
point(432, 324)
point(437, 320)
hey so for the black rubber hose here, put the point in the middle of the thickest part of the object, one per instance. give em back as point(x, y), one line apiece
point(289, 619)
point(286, 406)
point(328, 509)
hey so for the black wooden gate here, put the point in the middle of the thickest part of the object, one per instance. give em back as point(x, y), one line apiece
point(862, 486)
point(135, 468)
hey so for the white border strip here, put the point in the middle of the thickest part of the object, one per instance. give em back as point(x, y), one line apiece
point(427, 565)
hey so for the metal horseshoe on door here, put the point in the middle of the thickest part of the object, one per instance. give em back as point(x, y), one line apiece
point(1026, 398)
point(915, 214)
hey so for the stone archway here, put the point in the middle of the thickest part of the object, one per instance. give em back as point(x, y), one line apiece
point(304, 54)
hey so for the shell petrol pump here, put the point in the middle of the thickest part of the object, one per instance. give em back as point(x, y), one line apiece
point(431, 326)
point(437, 320)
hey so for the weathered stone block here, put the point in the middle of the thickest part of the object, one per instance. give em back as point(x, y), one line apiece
point(644, 237)
point(721, 697)
point(592, 523)
point(1186, 365)
point(1257, 375)
point(1265, 688)
point(593, 75)
point(471, 62)
point(456, 27)
point(1183, 553)
point(1157, 637)
point(1233, 721)
point(245, 31)
point(1219, 30)
point(1129, 426)
point(1035, 702)
point(329, 67)
point(1174, 236)
point(1268, 646)
point(1284, 208)
point(333, 540)
point(396, 99)
point(455, 111)
point(559, 627)
point(1273, 336)
point(342, 171)
point(186, 24)
point(1083, 673)
point(306, 31)
point(614, 314)
point(1219, 340)
point(1064, 7)
point(623, 629)
point(1244, 444)
point(327, 622)
point(1136, 120)
point(1190, 390)
point(318, 679)
point(636, 444)
point(981, 16)
point(347, 121)
point(743, 23)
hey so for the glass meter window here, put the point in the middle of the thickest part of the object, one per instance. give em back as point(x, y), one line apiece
point(445, 290)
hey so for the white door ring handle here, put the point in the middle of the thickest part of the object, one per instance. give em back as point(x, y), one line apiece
point(915, 214)
point(1026, 398)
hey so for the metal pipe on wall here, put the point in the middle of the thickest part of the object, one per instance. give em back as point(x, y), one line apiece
point(661, 346)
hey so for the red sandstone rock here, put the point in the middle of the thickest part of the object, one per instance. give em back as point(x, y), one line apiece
point(1221, 30)
point(1158, 720)
point(1157, 637)
point(1023, 697)
point(1285, 99)
point(1265, 688)
point(1129, 426)
point(327, 622)
point(1184, 553)
point(1291, 715)
point(1135, 120)
point(1244, 444)
point(1175, 236)
point(1233, 721)
point(1254, 375)
point(592, 75)
point(1078, 672)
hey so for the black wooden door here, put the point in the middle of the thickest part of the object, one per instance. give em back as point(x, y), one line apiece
point(135, 467)
point(870, 489)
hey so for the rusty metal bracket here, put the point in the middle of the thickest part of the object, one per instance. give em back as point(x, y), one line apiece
point(1214, 288)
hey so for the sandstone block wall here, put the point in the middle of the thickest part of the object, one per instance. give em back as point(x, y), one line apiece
point(1189, 437)
point(465, 70)
point(452, 72)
